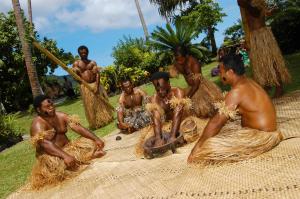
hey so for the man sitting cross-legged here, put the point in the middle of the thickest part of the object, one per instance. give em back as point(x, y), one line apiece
point(57, 157)
point(168, 108)
point(257, 132)
point(131, 113)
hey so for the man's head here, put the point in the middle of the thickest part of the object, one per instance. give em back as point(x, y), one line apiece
point(127, 86)
point(44, 106)
point(161, 83)
point(83, 52)
point(65, 78)
point(180, 54)
point(231, 66)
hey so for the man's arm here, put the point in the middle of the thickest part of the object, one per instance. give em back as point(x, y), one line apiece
point(76, 127)
point(177, 116)
point(120, 114)
point(96, 71)
point(194, 75)
point(216, 123)
point(75, 67)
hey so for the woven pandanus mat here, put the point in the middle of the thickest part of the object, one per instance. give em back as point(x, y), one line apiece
point(120, 174)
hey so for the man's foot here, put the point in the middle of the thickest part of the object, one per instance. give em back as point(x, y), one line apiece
point(98, 154)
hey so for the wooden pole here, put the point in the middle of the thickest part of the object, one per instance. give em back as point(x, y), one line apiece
point(66, 68)
point(245, 26)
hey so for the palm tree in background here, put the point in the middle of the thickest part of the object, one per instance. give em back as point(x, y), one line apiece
point(138, 7)
point(167, 40)
point(167, 8)
point(31, 69)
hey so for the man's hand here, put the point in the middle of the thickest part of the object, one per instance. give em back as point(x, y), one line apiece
point(123, 126)
point(70, 161)
point(100, 144)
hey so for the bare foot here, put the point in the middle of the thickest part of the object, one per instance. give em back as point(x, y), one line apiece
point(98, 154)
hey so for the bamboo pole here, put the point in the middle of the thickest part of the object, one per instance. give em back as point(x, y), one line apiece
point(66, 68)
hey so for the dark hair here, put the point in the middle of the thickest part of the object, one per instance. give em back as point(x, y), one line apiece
point(125, 79)
point(235, 63)
point(179, 50)
point(160, 75)
point(37, 101)
point(65, 78)
point(82, 48)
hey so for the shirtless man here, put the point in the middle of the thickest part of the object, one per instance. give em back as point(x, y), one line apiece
point(48, 133)
point(96, 111)
point(202, 92)
point(252, 102)
point(131, 113)
point(266, 59)
point(87, 69)
point(164, 93)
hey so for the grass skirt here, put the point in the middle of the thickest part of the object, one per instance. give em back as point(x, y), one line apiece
point(235, 143)
point(51, 170)
point(148, 132)
point(266, 59)
point(203, 100)
point(97, 112)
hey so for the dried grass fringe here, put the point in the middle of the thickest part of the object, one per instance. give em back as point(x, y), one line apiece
point(205, 97)
point(51, 170)
point(185, 103)
point(266, 59)
point(150, 107)
point(224, 110)
point(235, 144)
point(97, 112)
point(41, 136)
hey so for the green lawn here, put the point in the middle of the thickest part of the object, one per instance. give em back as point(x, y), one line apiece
point(16, 162)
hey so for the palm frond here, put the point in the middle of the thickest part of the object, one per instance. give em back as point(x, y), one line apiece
point(165, 40)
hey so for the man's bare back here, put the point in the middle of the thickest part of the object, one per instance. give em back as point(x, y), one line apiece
point(255, 106)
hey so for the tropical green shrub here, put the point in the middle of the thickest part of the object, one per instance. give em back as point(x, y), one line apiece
point(10, 134)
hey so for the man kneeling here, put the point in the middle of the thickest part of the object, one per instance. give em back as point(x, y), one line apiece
point(257, 132)
point(57, 158)
point(169, 109)
point(131, 113)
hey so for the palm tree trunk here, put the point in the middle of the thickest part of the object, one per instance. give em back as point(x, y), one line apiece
point(29, 12)
point(31, 69)
point(142, 18)
point(211, 36)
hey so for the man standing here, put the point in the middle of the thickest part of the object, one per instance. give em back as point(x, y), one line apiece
point(266, 59)
point(257, 132)
point(97, 112)
point(57, 157)
point(202, 92)
point(131, 113)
